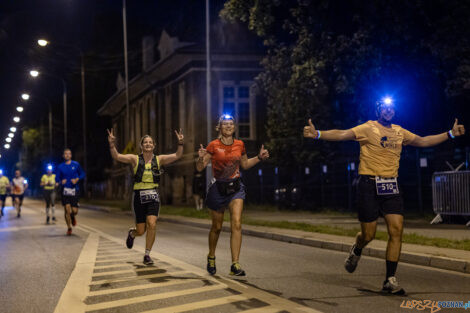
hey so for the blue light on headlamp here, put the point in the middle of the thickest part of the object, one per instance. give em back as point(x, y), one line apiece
point(228, 117)
point(49, 167)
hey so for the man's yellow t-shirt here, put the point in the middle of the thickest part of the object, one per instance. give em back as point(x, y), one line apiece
point(4, 182)
point(381, 148)
point(49, 181)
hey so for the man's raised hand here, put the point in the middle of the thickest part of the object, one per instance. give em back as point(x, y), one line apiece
point(309, 130)
point(458, 130)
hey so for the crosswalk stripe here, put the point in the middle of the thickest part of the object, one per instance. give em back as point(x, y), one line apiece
point(146, 286)
point(266, 309)
point(149, 268)
point(110, 281)
point(117, 303)
point(199, 305)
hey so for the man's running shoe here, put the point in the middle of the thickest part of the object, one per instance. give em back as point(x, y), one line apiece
point(351, 262)
point(74, 221)
point(130, 239)
point(47, 220)
point(53, 219)
point(211, 265)
point(148, 260)
point(391, 286)
point(69, 232)
point(236, 269)
point(18, 215)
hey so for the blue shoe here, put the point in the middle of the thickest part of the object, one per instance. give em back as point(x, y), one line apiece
point(211, 265)
point(236, 269)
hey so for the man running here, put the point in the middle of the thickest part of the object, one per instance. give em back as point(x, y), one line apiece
point(145, 196)
point(69, 173)
point(378, 193)
point(4, 187)
point(18, 186)
point(48, 184)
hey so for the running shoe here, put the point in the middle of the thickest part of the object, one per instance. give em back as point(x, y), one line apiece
point(130, 239)
point(236, 269)
point(74, 221)
point(18, 215)
point(211, 269)
point(53, 219)
point(391, 286)
point(351, 262)
point(47, 220)
point(148, 260)
point(69, 232)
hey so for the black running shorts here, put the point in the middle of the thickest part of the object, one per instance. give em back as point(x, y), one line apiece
point(72, 200)
point(141, 211)
point(370, 205)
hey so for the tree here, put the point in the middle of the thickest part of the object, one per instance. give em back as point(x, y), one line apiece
point(330, 60)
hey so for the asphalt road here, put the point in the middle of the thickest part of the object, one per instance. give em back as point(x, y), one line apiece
point(42, 270)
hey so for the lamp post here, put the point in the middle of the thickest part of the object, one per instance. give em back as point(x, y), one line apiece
point(35, 73)
point(43, 43)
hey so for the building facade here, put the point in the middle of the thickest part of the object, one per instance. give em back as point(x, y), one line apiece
point(171, 94)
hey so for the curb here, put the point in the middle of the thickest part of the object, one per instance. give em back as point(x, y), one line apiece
point(406, 257)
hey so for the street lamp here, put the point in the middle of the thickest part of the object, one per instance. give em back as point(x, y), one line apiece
point(25, 96)
point(19, 109)
point(8, 139)
point(7, 146)
point(13, 129)
point(64, 97)
point(43, 42)
point(11, 135)
point(16, 119)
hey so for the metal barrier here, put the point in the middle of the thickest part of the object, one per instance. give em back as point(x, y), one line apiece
point(451, 194)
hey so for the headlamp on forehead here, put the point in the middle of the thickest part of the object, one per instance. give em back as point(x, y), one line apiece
point(1, 172)
point(49, 167)
point(385, 102)
point(227, 117)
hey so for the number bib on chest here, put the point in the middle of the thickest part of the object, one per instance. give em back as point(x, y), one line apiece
point(386, 186)
point(148, 195)
point(69, 191)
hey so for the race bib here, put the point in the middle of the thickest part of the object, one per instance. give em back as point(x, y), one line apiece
point(69, 191)
point(386, 186)
point(149, 195)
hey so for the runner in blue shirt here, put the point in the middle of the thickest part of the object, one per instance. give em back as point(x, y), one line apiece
point(69, 173)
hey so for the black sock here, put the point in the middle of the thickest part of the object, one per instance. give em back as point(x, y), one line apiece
point(391, 268)
point(357, 251)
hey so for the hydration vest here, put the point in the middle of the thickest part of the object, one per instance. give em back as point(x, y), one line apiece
point(155, 168)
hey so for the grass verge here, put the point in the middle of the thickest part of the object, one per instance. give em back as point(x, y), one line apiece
point(324, 229)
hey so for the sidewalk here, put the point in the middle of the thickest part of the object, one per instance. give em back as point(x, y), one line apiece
point(443, 258)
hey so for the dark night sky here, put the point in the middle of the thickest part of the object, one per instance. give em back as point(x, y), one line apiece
point(94, 26)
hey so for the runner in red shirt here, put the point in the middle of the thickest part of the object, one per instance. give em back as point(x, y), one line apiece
point(226, 190)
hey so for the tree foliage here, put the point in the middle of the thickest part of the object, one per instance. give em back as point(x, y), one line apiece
point(330, 60)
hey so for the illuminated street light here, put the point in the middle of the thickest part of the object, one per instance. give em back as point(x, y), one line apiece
point(7, 146)
point(11, 135)
point(8, 139)
point(43, 42)
point(16, 119)
point(34, 73)
point(19, 109)
point(25, 96)
point(13, 129)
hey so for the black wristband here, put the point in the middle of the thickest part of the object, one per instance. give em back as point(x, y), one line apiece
point(180, 143)
point(259, 158)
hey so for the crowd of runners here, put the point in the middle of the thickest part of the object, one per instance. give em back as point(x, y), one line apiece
point(378, 189)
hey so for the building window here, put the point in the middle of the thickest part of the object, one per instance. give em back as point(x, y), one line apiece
point(235, 100)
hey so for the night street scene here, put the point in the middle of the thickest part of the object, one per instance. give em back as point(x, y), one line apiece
point(219, 156)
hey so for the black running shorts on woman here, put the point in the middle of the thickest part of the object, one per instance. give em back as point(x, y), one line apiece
point(142, 210)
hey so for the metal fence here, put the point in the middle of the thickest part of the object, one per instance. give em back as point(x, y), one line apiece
point(451, 193)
